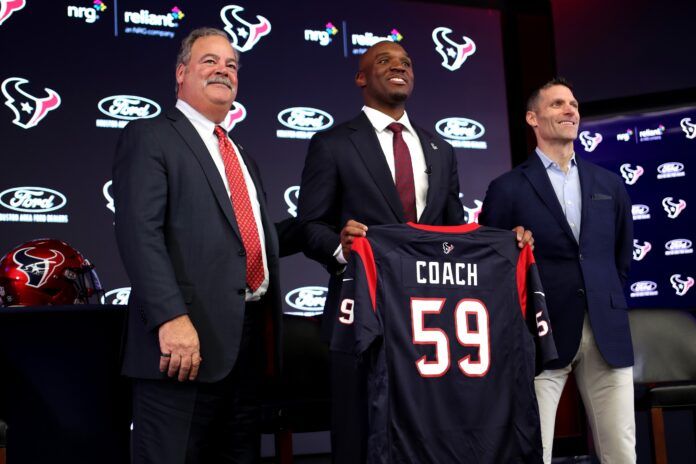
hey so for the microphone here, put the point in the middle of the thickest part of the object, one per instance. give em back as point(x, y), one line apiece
point(428, 169)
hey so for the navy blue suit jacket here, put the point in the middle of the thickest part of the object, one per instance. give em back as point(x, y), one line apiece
point(181, 245)
point(577, 277)
point(346, 176)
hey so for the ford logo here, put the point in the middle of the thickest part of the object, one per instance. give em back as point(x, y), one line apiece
point(670, 167)
point(307, 298)
point(128, 107)
point(117, 296)
point(640, 209)
point(32, 199)
point(459, 128)
point(678, 244)
point(305, 119)
point(643, 286)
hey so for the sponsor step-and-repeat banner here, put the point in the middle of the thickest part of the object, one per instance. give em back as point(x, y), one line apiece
point(653, 153)
point(76, 72)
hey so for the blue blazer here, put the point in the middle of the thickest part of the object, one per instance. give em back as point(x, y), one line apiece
point(181, 246)
point(346, 176)
point(577, 277)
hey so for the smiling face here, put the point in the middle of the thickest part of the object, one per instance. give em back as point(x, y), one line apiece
point(555, 116)
point(208, 82)
point(386, 78)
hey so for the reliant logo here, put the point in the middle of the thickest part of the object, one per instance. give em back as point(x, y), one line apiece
point(678, 246)
point(106, 191)
point(669, 170)
point(648, 135)
point(31, 205)
point(590, 142)
point(671, 208)
point(144, 18)
point(681, 286)
point(309, 301)
point(462, 132)
point(625, 136)
point(117, 296)
point(89, 14)
point(292, 196)
point(7, 7)
point(125, 108)
point(640, 212)
point(236, 115)
point(643, 288)
point(361, 42)
point(631, 175)
point(453, 54)
point(28, 109)
point(303, 121)
point(244, 34)
point(687, 126)
point(323, 37)
point(640, 251)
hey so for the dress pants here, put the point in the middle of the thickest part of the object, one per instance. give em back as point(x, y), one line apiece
point(348, 409)
point(203, 423)
point(607, 393)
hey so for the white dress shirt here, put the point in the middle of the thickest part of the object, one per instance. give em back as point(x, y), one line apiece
point(205, 129)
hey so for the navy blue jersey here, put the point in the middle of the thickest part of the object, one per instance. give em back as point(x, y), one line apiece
point(449, 321)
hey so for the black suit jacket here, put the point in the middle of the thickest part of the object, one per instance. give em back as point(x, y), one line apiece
point(181, 246)
point(346, 176)
point(577, 277)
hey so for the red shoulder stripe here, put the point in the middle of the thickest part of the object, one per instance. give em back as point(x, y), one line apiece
point(362, 247)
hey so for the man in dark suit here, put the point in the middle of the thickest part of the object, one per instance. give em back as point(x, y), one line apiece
point(581, 218)
point(378, 168)
point(202, 257)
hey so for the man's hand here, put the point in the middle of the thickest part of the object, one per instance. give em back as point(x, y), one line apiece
point(524, 237)
point(351, 230)
point(181, 352)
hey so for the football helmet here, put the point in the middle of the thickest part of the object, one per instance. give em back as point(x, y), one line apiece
point(47, 272)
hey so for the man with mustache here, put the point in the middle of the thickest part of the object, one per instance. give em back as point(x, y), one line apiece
point(378, 168)
point(202, 257)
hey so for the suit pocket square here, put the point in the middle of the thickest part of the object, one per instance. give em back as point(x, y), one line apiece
point(600, 196)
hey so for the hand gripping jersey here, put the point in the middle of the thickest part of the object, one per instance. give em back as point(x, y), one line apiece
point(449, 321)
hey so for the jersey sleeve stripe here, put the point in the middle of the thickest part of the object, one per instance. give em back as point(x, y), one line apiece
point(525, 260)
point(362, 247)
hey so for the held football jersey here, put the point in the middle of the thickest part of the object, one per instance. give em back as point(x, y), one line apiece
point(449, 321)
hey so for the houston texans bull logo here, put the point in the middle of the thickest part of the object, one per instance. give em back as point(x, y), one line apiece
point(244, 34)
point(689, 128)
point(681, 286)
point(38, 269)
point(629, 174)
point(447, 247)
point(673, 209)
point(590, 142)
point(640, 251)
point(453, 54)
point(235, 116)
point(471, 215)
point(28, 110)
point(7, 7)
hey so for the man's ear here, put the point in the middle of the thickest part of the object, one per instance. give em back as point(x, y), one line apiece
point(531, 118)
point(360, 80)
point(180, 71)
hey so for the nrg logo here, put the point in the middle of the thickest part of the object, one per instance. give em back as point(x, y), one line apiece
point(89, 14)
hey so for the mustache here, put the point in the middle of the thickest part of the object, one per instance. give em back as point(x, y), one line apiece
point(219, 80)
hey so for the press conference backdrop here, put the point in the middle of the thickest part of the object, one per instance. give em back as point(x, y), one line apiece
point(653, 153)
point(75, 72)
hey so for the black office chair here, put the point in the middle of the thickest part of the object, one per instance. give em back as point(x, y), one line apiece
point(300, 401)
point(664, 344)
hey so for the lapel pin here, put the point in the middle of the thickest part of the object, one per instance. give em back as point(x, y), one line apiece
point(432, 144)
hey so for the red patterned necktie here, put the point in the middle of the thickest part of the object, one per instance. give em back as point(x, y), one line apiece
point(403, 173)
point(242, 211)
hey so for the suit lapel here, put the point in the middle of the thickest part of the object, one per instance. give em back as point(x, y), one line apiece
point(535, 172)
point(366, 143)
point(188, 133)
point(586, 186)
point(433, 162)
